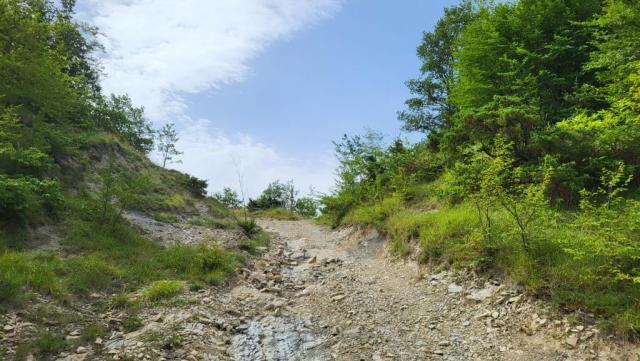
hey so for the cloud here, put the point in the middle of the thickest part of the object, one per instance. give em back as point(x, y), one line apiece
point(158, 50)
point(220, 158)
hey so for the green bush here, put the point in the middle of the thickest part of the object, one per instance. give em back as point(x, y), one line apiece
point(249, 226)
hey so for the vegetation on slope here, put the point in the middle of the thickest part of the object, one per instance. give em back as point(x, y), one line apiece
point(73, 164)
point(531, 111)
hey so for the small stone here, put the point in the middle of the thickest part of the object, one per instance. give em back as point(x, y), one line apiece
point(444, 343)
point(580, 328)
point(454, 288)
point(81, 349)
point(466, 323)
point(8, 328)
point(495, 314)
point(587, 335)
point(514, 299)
point(571, 341)
point(337, 298)
point(98, 341)
point(438, 352)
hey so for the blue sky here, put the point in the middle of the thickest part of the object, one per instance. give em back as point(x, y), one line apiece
point(262, 87)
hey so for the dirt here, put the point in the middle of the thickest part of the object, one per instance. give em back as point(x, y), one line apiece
point(318, 294)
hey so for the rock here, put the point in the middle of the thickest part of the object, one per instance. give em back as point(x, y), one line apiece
point(514, 299)
point(8, 328)
point(587, 335)
point(481, 295)
point(337, 298)
point(98, 341)
point(438, 352)
point(81, 349)
point(571, 341)
point(444, 343)
point(454, 288)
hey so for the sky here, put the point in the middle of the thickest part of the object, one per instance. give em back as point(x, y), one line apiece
point(259, 89)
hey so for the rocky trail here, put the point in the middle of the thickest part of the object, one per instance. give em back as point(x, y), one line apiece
point(318, 294)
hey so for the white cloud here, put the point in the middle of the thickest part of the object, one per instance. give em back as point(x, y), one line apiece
point(159, 51)
point(218, 157)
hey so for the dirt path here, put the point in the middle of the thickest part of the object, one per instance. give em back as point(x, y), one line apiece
point(322, 295)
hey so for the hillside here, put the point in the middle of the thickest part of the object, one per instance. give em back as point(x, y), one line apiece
point(87, 222)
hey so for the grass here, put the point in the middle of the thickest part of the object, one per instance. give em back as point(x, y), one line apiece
point(109, 259)
point(44, 345)
point(567, 258)
point(164, 289)
point(165, 217)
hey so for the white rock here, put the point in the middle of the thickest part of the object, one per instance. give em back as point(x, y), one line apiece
point(454, 288)
point(481, 295)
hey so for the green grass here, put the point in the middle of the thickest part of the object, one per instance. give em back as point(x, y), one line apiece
point(109, 259)
point(165, 217)
point(164, 289)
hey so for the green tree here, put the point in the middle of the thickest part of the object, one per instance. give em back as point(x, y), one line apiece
point(431, 109)
point(228, 197)
point(166, 144)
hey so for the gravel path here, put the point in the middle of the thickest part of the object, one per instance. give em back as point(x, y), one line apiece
point(321, 295)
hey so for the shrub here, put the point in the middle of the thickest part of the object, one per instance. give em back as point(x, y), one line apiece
point(250, 227)
point(48, 343)
point(197, 187)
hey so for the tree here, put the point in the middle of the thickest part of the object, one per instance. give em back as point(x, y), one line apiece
point(228, 197)
point(431, 109)
point(167, 138)
point(118, 115)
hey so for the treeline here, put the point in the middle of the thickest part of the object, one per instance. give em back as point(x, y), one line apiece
point(531, 111)
point(277, 200)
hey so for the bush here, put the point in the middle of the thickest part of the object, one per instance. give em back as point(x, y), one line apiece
point(250, 227)
point(307, 207)
point(197, 187)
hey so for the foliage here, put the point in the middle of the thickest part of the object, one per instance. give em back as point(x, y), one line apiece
point(530, 163)
point(431, 109)
point(307, 207)
point(277, 194)
point(167, 138)
point(228, 197)
point(118, 115)
point(197, 187)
